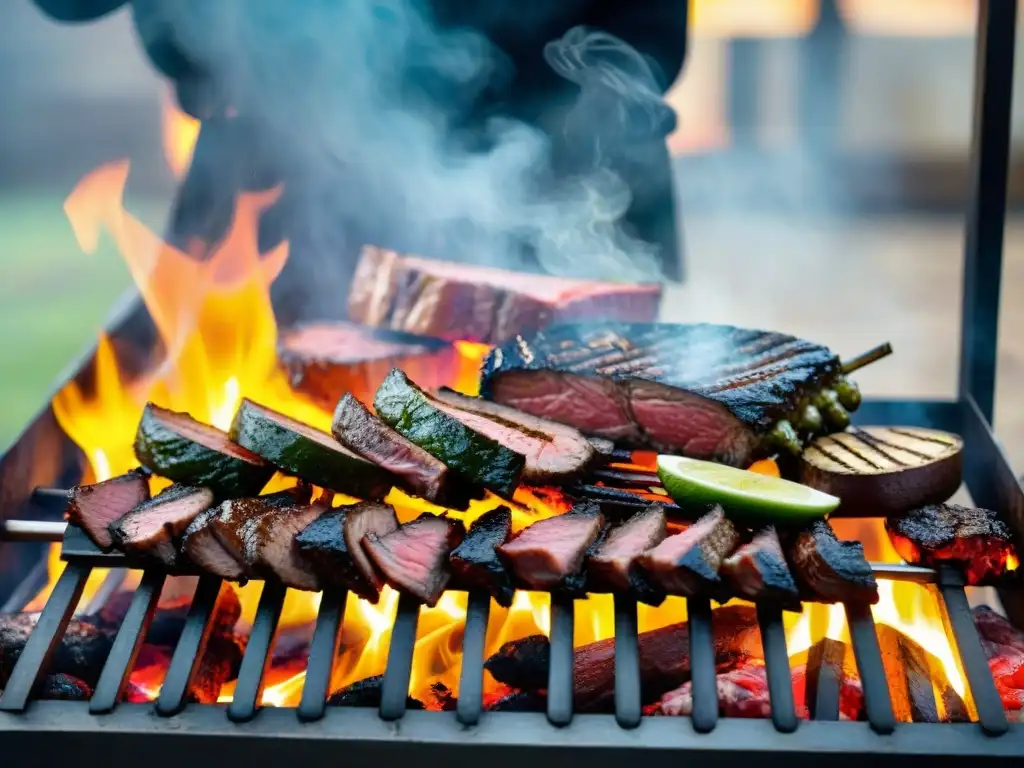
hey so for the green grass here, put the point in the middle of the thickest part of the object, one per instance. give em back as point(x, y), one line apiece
point(54, 299)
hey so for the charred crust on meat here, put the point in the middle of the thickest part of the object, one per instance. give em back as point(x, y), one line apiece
point(827, 569)
point(475, 561)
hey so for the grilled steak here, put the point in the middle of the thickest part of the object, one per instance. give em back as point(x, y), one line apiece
point(332, 545)
point(202, 547)
point(829, 570)
point(414, 469)
point(271, 548)
point(154, 527)
point(613, 565)
point(414, 558)
point(705, 391)
point(554, 452)
point(94, 507)
point(475, 562)
point(687, 562)
point(973, 539)
point(758, 570)
point(547, 553)
point(326, 360)
point(466, 302)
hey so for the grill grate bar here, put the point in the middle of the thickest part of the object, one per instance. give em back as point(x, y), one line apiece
point(394, 689)
point(322, 651)
point(111, 583)
point(776, 667)
point(560, 664)
point(249, 689)
point(877, 702)
point(45, 636)
point(960, 628)
point(703, 682)
point(824, 678)
point(628, 706)
point(471, 677)
point(126, 645)
point(191, 646)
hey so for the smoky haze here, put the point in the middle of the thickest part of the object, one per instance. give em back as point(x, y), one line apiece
point(365, 100)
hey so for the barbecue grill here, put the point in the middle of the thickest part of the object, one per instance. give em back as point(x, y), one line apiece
point(170, 731)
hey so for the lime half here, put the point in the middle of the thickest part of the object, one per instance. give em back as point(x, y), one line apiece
point(745, 495)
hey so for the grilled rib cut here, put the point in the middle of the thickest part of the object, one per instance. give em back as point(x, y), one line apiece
point(551, 552)
point(466, 302)
point(704, 391)
point(94, 507)
point(414, 558)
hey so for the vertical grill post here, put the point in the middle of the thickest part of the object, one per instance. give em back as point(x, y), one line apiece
point(322, 650)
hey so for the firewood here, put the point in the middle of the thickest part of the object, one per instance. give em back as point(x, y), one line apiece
point(910, 671)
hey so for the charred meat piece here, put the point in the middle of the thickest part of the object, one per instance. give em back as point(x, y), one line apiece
point(758, 571)
point(202, 547)
point(973, 539)
point(235, 519)
point(467, 302)
point(829, 570)
point(327, 359)
point(81, 652)
point(613, 565)
point(176, 446)
point(332, 545)
point(153, 528)
point(703, 391)
point(414, 558)
point(688, 562)
point(548, 552)
point(475, 562)
point(271, 548)
point(414, 469)
point(94, 507)
point(555, 453)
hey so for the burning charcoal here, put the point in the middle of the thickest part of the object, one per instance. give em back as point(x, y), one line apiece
point(176, 446)
point(135, 694)
point(548, 552)
point(688, 562)
point(332, 545)
point(153, 528)
point(973, 539)
point(463, 301)
point(272, 548)
point(758, 571)
point(995, 628)
point(443, 698)
point(519, 701)
point(415, 470)
point(94, 507)
point(236, 518)
point(1004, 648)
point(414, 558)
point(475, 562)
point(664, 659)
point(613, 566)
point(81, 653)
point(326, 360)
point(61, 687)
point(829, 570)
point(742, 692)
point(220, 663)
point(911, 672)
point(366, 693)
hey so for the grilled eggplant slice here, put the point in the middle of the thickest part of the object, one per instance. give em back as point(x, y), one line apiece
point(94, 507)
point(475, 561)
point(881, 471)
point(299, 449)
point(176, 446)
point(476, 458)
point(153, 528)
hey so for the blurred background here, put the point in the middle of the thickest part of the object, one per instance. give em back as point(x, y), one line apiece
point(821, 167)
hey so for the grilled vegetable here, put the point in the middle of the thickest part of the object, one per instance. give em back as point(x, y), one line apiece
point(300, 450)
point(827, 401)
point(784, 437)
point(810, 419)
point(848, 393)
point(884, 470)
point(478, 459)
point(176, 446)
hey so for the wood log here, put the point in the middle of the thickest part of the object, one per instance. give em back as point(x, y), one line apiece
point(910, 671)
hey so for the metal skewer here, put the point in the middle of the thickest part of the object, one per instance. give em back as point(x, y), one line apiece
point(871, 356)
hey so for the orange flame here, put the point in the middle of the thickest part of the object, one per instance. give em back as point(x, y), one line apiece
point(180, 133)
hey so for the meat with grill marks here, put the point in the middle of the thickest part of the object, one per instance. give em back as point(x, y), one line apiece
point(758, 570)
point(475, 561)
point(154, 528)
point(414, 558)
point(687, 563)
point(975, 540)
point(270, 547)
point(613, 565)
point(94, 507)
point(550, 553)
point(828, 570)
point(713, 392)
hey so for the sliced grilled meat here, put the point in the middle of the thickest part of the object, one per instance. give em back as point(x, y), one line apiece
point(475, 457)
point(202, 547)
point(414, 469)
point(463, 301)
point(613, 565)
point(236, 517)
point(332, 545)
point(94, 507)
point(758, 571)
point(327, 359)
point(828, 570)
point(973, 539)
point(154, 527)
point(300, 450)
point(176, 446)
point(704, 391)
point(414, 558)
point(271, 547)
point(555, 453)
point(688, 562)
point(547, 553)
point(475, 562)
